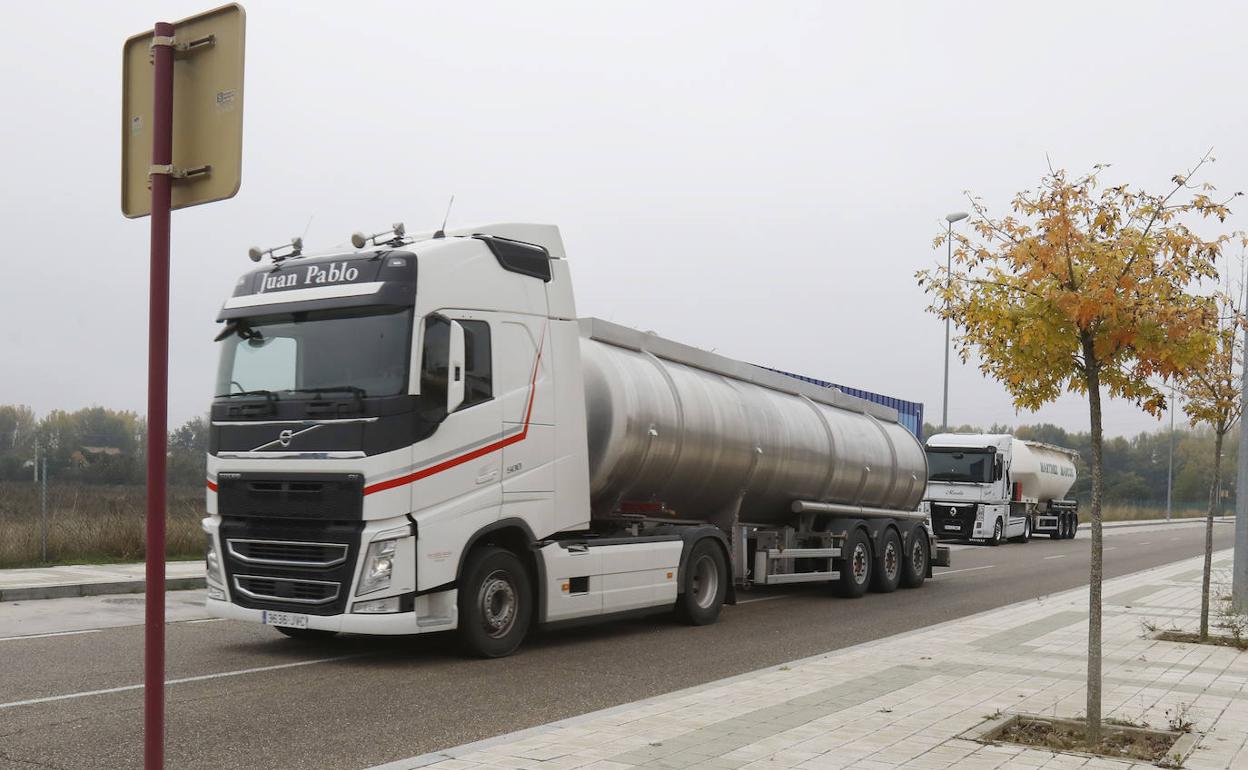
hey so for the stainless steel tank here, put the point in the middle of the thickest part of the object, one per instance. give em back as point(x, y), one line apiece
point(698, 432)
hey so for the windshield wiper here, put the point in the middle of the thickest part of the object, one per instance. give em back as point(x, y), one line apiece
point(352, 389)
point(268, 394)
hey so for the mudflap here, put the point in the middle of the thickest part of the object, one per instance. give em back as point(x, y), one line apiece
point(941, 558)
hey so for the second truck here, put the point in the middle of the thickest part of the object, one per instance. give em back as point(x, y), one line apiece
point(995, 487)
point(421, 436)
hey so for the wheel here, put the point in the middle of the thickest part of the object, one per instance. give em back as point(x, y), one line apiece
point(1026, 536)
point(855, 566)
point(888, 569)
point(997, 531)
point(495, 603)
point(706, 584)
point(1072, 527)
point(306, 634)
point(914, 566)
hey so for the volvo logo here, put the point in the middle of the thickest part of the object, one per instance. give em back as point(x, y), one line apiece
point(285, 437)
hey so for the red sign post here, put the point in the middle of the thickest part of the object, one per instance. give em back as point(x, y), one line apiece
point(203, 55)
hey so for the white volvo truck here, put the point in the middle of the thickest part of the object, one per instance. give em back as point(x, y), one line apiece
point(994, 487)
point(421, 436)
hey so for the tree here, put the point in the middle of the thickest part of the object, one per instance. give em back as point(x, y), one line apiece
point(1212, 389)
point(1084, 288)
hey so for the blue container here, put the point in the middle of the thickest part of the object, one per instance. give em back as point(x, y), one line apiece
point(909, 413)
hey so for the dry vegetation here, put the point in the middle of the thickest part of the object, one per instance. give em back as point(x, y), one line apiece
point(1116, 741)
point(92, 523)
point(1128, 512)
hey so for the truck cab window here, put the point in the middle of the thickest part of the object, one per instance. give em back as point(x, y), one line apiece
point(478, 379)
point(433, 364)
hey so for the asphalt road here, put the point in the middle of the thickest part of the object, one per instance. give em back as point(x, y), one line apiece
point(242, 696)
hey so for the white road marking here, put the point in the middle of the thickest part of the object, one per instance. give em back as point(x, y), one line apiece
point(765, 598)
point(1111, 548)
point(206, 620)
point(1147, 542)
point(184, 680)
point(967, 569)
point(1056, 556)
point(45, 636)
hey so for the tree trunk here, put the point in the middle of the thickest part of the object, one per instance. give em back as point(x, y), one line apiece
point(1213, 505)
point(1092, 371)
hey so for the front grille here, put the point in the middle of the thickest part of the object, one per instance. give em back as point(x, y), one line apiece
point(953, 521)
point(287, 553)
point(290, 564)
point(295, 496)
point(287, 589)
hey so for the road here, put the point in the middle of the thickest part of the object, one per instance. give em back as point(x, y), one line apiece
point(242, 696)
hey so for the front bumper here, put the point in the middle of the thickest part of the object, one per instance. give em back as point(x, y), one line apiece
point(421, 621)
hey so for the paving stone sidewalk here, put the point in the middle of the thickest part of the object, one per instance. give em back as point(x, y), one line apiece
point(902, 702)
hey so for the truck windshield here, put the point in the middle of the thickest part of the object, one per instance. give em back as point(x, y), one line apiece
point(356, 353)
point(974, 466)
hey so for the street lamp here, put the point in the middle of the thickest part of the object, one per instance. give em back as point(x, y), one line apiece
point(956, 216)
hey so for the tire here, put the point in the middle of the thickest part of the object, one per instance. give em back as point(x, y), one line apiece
point(306, 634)
point(495, 603)
point(918, 555)
point(998, 529)
point(1073, 527)
point(706, 584)
point(886, 575)
point(1026, 536)
point(856, 564)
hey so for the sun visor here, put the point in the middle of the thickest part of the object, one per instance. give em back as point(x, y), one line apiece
point(325, 283)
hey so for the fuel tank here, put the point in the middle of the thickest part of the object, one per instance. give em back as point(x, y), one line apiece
point(704, 434)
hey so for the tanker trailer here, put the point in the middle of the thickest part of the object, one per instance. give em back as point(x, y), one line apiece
point(394, 454)
point(993, 487)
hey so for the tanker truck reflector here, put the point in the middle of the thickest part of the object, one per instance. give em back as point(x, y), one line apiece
point(394, 455)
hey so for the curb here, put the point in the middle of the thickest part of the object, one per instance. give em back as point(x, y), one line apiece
point(67, 590)
point(1156, 522)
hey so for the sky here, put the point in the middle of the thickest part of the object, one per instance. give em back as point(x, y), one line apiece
point(758, 178)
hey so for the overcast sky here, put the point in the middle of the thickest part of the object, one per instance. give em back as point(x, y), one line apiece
point(758, 178)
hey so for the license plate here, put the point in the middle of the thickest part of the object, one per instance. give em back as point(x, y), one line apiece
point(952, 526)
point(284, 619)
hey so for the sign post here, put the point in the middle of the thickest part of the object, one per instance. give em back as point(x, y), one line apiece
point(209, 82)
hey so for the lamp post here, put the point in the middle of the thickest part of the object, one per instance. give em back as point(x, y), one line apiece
point(949, 219)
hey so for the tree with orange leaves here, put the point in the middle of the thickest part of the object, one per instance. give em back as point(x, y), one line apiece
point(1088, 289)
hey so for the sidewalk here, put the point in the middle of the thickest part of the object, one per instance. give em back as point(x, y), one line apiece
point(92, 580)
point(902, 702)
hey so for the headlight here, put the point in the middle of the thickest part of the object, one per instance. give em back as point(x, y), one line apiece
point(212, 563)
point(378, 566)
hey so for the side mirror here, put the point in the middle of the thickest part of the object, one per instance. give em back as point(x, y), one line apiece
point(455, 369)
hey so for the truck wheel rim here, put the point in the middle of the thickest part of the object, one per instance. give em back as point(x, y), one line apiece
point(858, 563)
point(917, 558)
point(705, 585)
point(996, 531)
point(891, 562)
point(498, 604)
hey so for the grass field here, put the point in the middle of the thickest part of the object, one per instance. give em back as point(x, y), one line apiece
point(1141, 512)
point(90, 524)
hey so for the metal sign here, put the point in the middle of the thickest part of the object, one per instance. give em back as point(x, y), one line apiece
point(207, 107)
